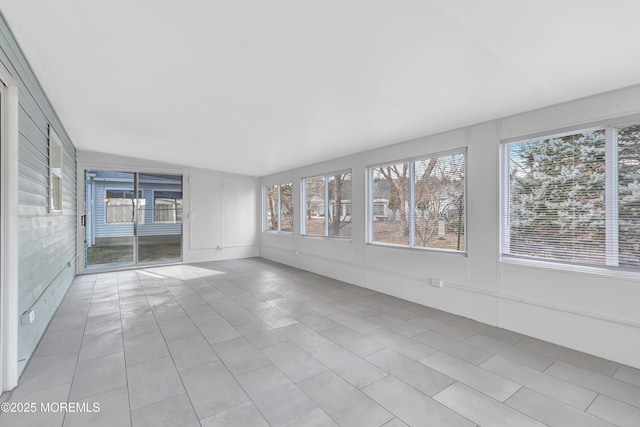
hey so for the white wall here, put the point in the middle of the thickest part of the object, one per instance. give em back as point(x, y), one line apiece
point(219, 208)
point(592, 311)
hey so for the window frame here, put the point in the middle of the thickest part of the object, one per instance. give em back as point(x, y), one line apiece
point(327, 204)
point(153, 200)
point(265, 210)
point(56, 172)
point(611, 168)
point(411, 201)
point(136, 217)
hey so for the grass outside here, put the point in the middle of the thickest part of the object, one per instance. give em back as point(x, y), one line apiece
point(389, 232)
point(98, 255)
point(315, 227)
point(392, 232)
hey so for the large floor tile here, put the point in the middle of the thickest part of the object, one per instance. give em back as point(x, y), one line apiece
point(47, 372)
point(628, 375)
point(407, 346)
point(315, 418)
point(153, 381)
point(144, 347)
point(59, 341)
point(277, 398)
point(352, 368)
point(511, 352)
point(98, 375)
point(37, 418)
point(101, 344)
point(239, 356)
point(178, 327)
point(113, 410)
point(175, 411)
point(611, 387)
point(217, 330)
point(411, 406)
point(304, 337)
point(244, 414)
point(582, 360)
point(477, 378)
point(551, 386)
point(443, 328)
point(421, 377)
point(191, 351)
point(103, 322)
point(463, 351)
point(550, 411)
point(207, 399)
point(353, 341)
point(260, 335)
point(614, 411)
point(294, 362)
point(482, 409)
point(314, 320)
point(351, 321)
point(344, 403)
point(400, 326)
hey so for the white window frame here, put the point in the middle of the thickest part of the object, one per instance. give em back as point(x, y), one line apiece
point(153, 201)
point(411, 201)
point(327, 205)
point(265, 204)
point(56, 166)
point(611, 197)
point(104, 200)
point(9, 315)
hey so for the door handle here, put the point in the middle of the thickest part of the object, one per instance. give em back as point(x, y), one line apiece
point(83, 220)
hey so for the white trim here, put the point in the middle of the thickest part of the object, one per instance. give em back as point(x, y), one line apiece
point(611, 197)
point(9, 230)
point(443, 153)
point(604, 271)
point(140, 196)
point(569, 130)
point(153, 204)
point(411, 217)
point(82, 168)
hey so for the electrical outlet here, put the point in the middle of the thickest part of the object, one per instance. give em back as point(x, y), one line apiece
point(438, 283)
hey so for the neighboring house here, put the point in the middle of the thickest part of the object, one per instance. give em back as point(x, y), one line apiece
point(112, 206)
point(345, 212)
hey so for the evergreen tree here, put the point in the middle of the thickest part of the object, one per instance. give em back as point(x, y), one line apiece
point(557, 197)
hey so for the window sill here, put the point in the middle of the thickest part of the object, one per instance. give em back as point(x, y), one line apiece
point(418, 248)
point(612, 272)
point(278, 233)
point(330, 238)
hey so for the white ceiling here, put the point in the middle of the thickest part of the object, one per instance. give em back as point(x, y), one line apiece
point(256, 87)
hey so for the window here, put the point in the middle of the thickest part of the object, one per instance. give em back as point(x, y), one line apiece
point(55, 171)
point(574, 198)
point(167, 207)
point(328, 205)
point(419, 203)
point(120, 206)
point(278, 207)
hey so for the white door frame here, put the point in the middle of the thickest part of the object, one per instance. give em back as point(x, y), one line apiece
point(9, 317)
point(82, 167)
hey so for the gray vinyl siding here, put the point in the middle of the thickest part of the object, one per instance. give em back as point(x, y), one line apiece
point(47, 242)
point(148, 228)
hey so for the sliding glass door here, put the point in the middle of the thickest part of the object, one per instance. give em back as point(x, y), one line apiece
point(131, 219)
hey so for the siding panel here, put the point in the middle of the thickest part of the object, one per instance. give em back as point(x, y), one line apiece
point(47, 242)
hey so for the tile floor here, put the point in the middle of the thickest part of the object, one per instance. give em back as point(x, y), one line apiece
point(254, 343)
